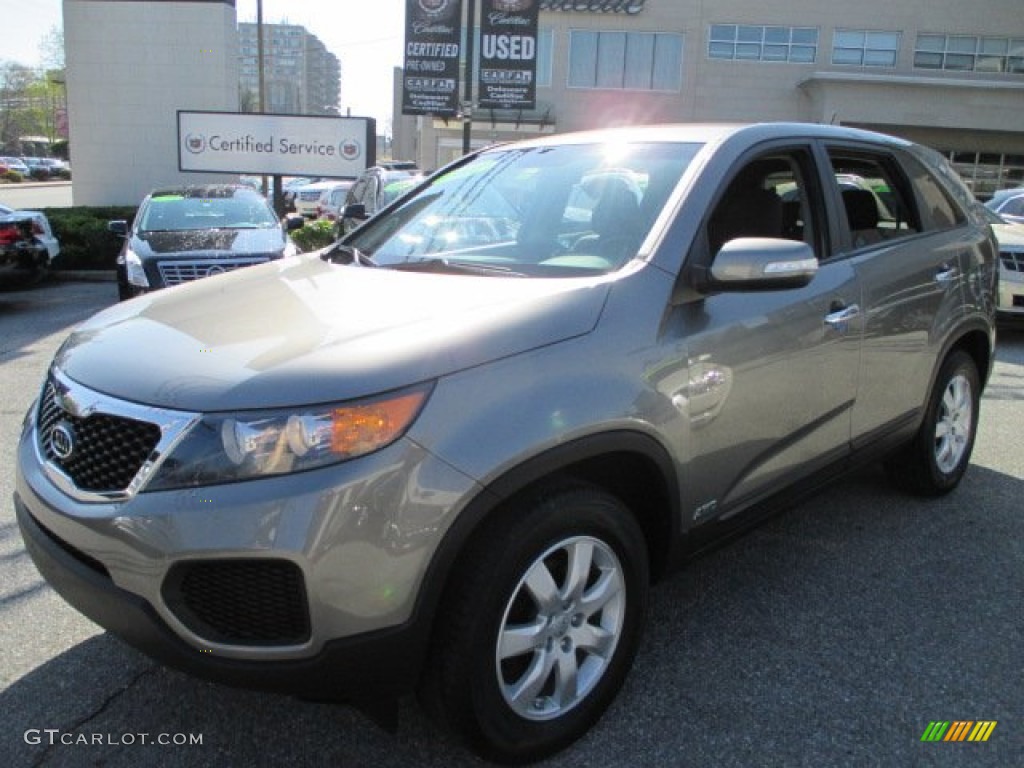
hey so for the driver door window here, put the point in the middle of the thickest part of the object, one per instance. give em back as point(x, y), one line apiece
point(768, 197)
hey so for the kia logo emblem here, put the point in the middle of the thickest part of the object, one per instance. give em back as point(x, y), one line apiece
point(62, 441)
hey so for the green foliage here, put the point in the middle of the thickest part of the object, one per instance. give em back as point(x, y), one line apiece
point(85, 241)
point(314, 234)
point(11, 176)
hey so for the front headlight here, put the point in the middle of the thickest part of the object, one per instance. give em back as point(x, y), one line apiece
point(135, 271)
point(224, 448)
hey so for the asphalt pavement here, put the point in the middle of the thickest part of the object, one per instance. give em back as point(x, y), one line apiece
point(833, 635)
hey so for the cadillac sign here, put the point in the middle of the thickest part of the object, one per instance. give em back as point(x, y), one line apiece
point(292, 145)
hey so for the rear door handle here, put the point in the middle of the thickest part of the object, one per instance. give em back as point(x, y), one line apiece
point(946, 274)
point(839, 316)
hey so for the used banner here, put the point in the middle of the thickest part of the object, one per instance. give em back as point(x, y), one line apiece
point(508, 54)
point(433, 31)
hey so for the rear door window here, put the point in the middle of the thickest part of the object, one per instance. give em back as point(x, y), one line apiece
point(877, 197)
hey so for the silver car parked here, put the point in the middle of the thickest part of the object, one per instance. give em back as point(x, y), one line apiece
point(449, 453)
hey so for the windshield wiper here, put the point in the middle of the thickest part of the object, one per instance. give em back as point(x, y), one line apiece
point(347, 254)
point(440, 264)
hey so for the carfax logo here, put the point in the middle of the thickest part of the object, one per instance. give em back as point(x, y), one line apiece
point(195, 143)
point(350, 149)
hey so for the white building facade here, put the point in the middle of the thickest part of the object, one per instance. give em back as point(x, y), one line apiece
point(130, 67)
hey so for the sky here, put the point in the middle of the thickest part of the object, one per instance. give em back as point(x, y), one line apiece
point(367, 37)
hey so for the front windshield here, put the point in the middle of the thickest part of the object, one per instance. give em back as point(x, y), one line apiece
point(175, 213)
point(545, 211)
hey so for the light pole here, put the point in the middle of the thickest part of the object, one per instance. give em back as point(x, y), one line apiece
point(467, 116)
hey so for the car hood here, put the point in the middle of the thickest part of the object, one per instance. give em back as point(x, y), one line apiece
point(208, 242)
point(301, 331)
point(1009, 235)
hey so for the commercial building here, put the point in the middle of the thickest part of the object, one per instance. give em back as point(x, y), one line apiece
point(939, 73)
point(301, 76)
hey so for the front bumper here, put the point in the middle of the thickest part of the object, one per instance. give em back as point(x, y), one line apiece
point(1011, 294)
point(375, 665)
point(310, 582)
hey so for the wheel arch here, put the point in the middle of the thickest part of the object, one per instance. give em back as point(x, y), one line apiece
point(632, 466)
point(977, 343)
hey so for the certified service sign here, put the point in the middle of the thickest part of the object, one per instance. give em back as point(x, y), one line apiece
point(288, 145)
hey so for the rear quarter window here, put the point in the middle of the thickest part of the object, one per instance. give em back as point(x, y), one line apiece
point(937, 207)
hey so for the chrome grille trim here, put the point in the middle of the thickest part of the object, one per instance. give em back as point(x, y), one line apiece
point(63, 397)
point(177, 272)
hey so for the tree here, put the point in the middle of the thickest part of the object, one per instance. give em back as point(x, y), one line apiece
point(16, 81)
point(51, 48)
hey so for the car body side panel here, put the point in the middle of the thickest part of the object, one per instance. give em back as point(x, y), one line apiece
point(768, 386)
point(909, 310)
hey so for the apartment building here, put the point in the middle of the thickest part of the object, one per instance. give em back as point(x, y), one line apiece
point(301, 76)
point(930, 70)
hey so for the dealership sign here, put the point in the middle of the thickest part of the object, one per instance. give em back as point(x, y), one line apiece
point(508, 54)
point(287, 145)
point(433, 30)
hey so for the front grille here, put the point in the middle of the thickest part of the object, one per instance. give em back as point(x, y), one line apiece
point(1012, 260)
point(176, 272)
point(101, 452)
point(240, 602)
point(309, 197)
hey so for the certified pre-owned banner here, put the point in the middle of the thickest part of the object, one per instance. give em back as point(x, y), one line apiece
point(293, 145)
point(508, 54)
point(432, 44)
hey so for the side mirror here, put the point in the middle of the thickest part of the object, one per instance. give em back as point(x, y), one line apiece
point(355, 211)
point(763, 264)
point(294, 221)
point(119, 227)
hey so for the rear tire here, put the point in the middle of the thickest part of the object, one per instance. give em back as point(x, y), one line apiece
point(937, 458)
point(542, 626)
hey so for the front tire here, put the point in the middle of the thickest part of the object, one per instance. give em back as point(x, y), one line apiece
point(543, 625)
point(936, 460)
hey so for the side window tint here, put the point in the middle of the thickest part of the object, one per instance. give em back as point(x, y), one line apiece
point(938, 211)
point(876, 196)
point(768, 197)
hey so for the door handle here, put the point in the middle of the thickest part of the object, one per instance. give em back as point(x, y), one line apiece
point(946, 274)
point(839, 316)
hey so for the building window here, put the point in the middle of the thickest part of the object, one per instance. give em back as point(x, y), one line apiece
point(545, 48)
point(633, 61)
point(969, 53)
point(745, 42)
point(865, 48)
point(987, 172)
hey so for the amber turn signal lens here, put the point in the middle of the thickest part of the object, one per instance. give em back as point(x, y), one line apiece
point(361, 429)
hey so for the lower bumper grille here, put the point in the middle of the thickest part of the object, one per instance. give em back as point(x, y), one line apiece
point(258, 602)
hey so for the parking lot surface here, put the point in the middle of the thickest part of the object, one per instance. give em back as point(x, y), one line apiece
point(833, 635)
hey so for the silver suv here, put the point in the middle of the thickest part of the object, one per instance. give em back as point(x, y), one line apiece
point(449, 453)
